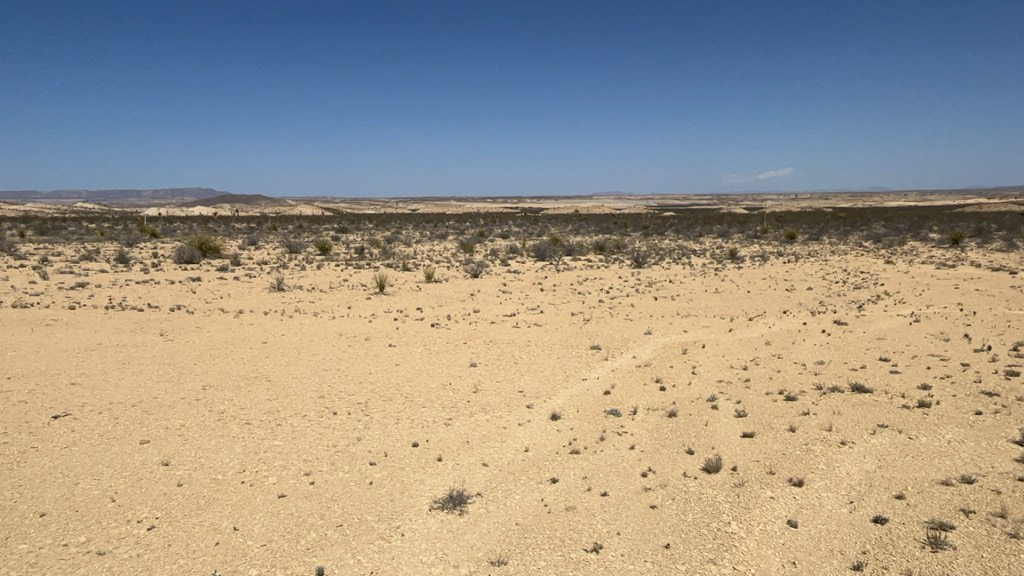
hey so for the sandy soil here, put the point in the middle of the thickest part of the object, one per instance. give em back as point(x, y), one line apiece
point(187, 420)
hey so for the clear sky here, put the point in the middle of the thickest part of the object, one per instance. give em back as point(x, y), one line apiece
point(482, 97)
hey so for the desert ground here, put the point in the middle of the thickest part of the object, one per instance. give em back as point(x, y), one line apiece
point(815, 390)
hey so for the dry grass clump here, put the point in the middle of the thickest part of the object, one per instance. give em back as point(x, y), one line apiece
point(455, 501)
point(712, 464)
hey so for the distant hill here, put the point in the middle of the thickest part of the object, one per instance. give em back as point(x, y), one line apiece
point(159, 195)
point(240, 199)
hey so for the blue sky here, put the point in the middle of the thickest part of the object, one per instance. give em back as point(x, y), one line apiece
point(484, 97)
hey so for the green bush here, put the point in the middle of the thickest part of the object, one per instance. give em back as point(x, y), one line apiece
point(149, 231)
point(208, 246)
point(323, 245)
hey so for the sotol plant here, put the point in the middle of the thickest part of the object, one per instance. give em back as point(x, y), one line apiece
point(278, 284)
point(381, 281)
point(429, 274)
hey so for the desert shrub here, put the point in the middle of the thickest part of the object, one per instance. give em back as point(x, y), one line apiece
point(185, 254)
point(122, 257)
point(570, 248)
point(860, 388)
point(207, 246)
point(544, 251)
point(292, 246)
point(91, 254)
point(468, 245)
point(474, 268)
point(454, 501)
point(323, 245)
point(149, 231)
point(956, 238)
point(712, 464)
point(132, 238)
point(939, 525)
point(790, 235)
point(1019, 440)
point(603, 246)
point(639, 257)
point(251, 241)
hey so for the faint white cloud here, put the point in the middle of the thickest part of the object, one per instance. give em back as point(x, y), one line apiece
point(778, 173)
point(732, 179)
